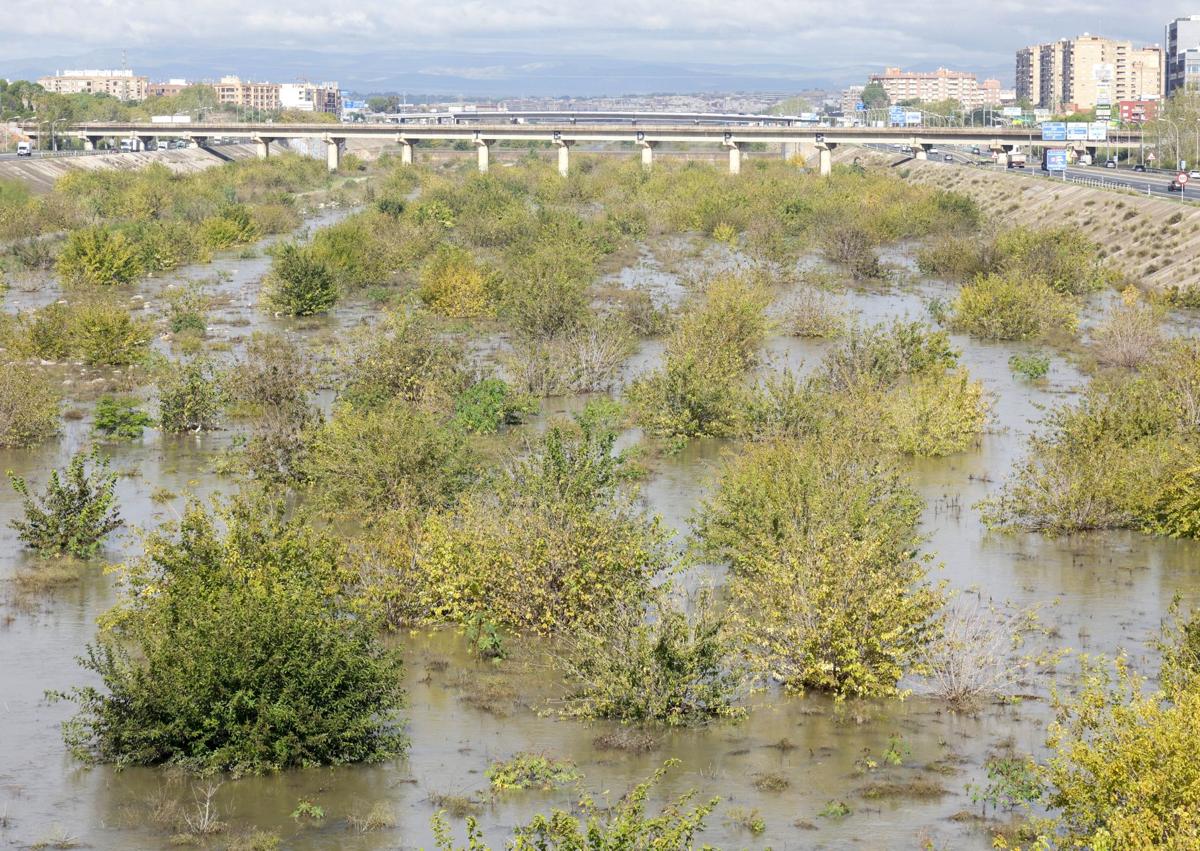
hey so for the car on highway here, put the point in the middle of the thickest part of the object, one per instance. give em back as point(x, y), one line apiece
point(1110, 164)
point(975, 150)
point(1194, 175)
point(24, 149)
point(948, 158)
point(1175, 186)
point(1139, 167)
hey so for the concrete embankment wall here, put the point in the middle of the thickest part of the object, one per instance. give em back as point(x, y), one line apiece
point(1154, 241)
point(40, 173)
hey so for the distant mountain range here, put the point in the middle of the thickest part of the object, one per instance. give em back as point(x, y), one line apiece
point(492, 74)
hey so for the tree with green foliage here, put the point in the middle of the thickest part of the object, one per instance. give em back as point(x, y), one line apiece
point(120, 418)
point(76, 512)
point(236, 646)
point(874, 96)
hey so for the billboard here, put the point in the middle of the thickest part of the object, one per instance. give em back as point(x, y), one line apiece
point(1056, 159)
point(1054, 131)
point(896, 115)
point(1097, 131)
point(1011, 112)
point(1077, 131)
point(912, 117)
point(1041, 115)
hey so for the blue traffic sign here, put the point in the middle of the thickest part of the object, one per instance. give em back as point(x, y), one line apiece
point(1054, 131)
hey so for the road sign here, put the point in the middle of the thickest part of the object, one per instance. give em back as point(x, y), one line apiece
point(1077, 131)
point(1056, 159)
point(1054, 131)
point(1011, 112)
point(912, 118)
point(1181, 178)
point(859, 106)
point(1097, 131)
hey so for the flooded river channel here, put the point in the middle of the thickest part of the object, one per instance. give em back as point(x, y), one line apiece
point(1102, 592)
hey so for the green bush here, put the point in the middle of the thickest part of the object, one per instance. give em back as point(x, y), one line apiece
point(620, 827)
point(1118, 458)
point(403, 358)
point(120, 417)
point(300, 284)
point(699, 391)
point(1032, 366)
point(531, 771)
point(98, 257)
point(105, 334)
point(675, 669)
point(29, 406)
point(232, 226)
point(189, 398)
point(488, 404)
point(75, 513)
point(249, 654)
point(453, 284)
point(1008, 307)
point(391, 458)
point(555, 540)
point(826, 589)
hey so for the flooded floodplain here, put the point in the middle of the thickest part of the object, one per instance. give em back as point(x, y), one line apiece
point(797, 772)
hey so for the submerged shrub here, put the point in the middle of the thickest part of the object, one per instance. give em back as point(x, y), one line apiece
point(99, 257)
point(404, 359)
point(555, 540)
point(29, 405)
point(232, 226)
point(1031, 366)
point(699, 390)
point(585, 360)
point(531, 771)
point(453, 284)
point(76, 512)
point(190, 398)
point(119, 417)
point(486, 405)
point(105, 334)
point(1130, 335)
point(300, 284)
point(676, 669)
point(248, 656)
point(388, 459)
point(623, 825)
point(1006, 307)
point(827, 590)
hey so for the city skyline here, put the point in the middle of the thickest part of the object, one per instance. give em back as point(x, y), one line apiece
point(568, 47)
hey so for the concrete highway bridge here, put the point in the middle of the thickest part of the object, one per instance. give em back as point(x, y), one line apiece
point(813, 142)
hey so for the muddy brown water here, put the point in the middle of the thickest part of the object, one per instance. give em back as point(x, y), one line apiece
point(1104, 592)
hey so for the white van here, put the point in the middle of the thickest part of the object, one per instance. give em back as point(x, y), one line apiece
point(164, 145)
point(24, 149)
point(126, 146)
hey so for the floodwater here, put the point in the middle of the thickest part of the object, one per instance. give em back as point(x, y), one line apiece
point(1104, 592)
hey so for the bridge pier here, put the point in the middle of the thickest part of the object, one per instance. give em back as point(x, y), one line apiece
point(482, 148)
point(333, 152)
point(825, 157)
point(647, 153)
point(147, 143)
point(262, 147)
point(921, 150)
point(406, 151)
point(198, 141)
point(735, 157)
point(564, 156)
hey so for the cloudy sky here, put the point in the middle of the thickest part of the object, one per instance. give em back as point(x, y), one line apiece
point(826, 41)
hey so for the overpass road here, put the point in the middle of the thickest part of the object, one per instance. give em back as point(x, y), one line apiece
point(815, 142)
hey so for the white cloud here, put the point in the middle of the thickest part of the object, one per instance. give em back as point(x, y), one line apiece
point(810, 34)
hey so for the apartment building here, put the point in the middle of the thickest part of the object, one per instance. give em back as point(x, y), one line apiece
point(942, 84)
point(851, 98)
point(311, 97)
point(1182, 54)
point(1087, 71)
point(234, 91)
point(167, 89)
point(122, 85)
